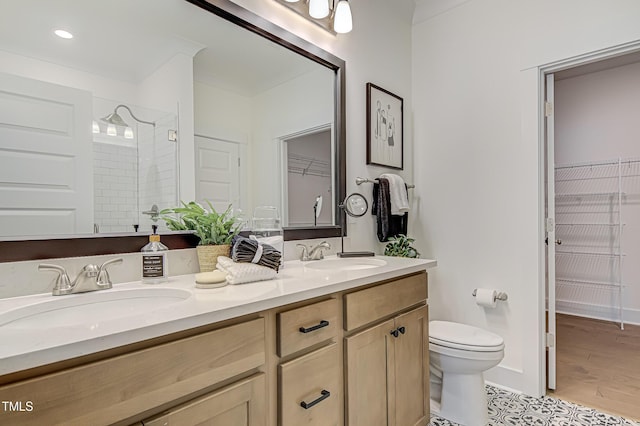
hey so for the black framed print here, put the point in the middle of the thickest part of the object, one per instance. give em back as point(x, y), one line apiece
point(384, 128)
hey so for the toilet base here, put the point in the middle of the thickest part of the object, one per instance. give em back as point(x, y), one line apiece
point(463, 399)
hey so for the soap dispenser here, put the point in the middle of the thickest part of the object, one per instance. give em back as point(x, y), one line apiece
point(154, 260)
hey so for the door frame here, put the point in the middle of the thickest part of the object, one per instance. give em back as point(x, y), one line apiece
point(281, 142)
point(543, 72)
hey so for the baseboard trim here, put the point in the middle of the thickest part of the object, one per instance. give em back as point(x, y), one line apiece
point(601, 312)
point(506, 378)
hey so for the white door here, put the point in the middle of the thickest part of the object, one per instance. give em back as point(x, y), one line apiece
point(550, 337)
point(46, 156)
point(217, 172)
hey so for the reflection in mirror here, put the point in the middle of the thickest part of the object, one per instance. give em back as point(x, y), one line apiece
point(223, 98)
point(308, 159)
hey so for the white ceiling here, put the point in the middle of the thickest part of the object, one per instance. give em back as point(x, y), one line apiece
point(129, 39)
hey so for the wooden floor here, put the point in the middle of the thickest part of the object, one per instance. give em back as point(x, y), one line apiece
point(598, 365)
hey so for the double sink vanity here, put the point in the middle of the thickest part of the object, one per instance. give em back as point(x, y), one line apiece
point(329, 342)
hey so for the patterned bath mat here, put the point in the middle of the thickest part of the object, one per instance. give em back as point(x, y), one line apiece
point(507, 408)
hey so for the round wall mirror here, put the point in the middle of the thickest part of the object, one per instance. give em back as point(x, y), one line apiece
point(356, 205)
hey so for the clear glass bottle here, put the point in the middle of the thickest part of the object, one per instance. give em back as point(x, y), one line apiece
point(154, 261)
point(267, 228)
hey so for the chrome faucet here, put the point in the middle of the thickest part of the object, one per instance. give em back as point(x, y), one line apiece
point(91, 278)
point(315, 253)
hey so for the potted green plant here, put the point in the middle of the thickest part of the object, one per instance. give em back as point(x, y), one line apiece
point(215, 230)
point(400, 246)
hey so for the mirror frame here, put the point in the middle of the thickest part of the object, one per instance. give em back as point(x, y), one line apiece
point(91, 245)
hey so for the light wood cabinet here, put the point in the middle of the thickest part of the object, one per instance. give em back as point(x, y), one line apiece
point(355, 358)
point(127, 386)
point(387, 363)
point(241, 404)
point(310, 374)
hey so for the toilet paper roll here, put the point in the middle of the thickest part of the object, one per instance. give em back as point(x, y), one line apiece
point(486, 297)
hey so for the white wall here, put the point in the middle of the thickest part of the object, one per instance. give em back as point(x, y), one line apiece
point(475, 91)
point(597, 115)
point(596, 119)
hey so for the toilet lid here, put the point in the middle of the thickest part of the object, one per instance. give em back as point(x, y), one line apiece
point(463, 336)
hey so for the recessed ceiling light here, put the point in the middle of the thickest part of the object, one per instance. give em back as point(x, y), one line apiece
point(63, 34)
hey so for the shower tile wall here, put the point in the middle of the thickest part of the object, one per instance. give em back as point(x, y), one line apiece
point(115, 187)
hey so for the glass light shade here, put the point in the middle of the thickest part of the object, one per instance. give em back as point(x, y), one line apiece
point(319, 8)
point(63, 34)
point(128, 133)
point(343, 21)
point(291, 1)
point(95, 128)
point(111, 130)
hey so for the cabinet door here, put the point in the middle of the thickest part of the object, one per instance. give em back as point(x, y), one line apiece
point(241, 404)
point(368, 376)
point(408, 404)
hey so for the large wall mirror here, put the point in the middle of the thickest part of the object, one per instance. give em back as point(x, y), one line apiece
point(210, 102)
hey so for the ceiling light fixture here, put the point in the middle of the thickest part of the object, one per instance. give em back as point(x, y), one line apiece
point(63, 34)
point(332, 15)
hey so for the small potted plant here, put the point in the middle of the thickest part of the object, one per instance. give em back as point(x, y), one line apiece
point(215, 230)
point(400, 246)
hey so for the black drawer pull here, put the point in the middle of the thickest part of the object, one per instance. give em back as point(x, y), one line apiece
point(401, 330)
point(324, 395)
point(322, 324)
point(394, 332)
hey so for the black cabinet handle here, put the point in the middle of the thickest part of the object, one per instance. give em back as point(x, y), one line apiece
point(324, 394)
point(322, 324)
point(398, 331)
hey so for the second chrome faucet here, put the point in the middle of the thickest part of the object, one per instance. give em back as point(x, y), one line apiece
point(315, 252)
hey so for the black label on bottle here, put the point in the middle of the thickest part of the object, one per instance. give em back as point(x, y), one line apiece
point(152, 266)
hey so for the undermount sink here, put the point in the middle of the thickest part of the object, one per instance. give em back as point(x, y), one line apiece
point(346, 264)
point(88, 310)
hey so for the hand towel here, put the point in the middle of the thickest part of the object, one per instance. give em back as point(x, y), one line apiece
point(250, 250)
point(388, 225)
point(238, 273)
point(397, 194)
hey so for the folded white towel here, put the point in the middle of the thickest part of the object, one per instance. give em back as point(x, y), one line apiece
point(238, 273)
point(397, 194)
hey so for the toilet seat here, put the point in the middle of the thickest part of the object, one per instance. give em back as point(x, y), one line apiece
point(463, 337)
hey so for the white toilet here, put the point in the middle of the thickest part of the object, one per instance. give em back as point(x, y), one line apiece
point(459, 354)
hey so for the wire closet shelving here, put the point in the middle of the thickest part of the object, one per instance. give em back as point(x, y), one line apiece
point(590, 202)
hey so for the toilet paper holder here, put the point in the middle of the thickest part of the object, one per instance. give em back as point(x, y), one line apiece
point(499, 296)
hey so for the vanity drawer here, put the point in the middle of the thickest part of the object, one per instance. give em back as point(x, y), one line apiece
point(368, 305)
point(303, 327)
point(119, 388)
point(312, 380)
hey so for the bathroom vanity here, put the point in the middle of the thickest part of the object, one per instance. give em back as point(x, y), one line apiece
point(317, 346)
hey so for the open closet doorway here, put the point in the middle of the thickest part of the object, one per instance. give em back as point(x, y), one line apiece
point(592, 161)
point(306, 180)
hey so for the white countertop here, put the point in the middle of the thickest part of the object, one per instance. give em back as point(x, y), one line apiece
point(34, 346)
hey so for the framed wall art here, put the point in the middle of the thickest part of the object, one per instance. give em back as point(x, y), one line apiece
point(384, 128)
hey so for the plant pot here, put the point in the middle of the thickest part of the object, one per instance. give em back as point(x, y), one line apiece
point(208, 256)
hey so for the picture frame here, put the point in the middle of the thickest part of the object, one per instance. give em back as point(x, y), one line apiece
point(385, 133)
